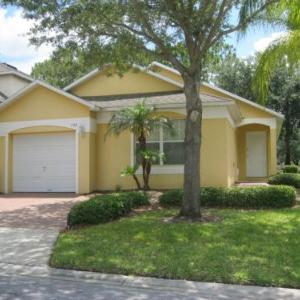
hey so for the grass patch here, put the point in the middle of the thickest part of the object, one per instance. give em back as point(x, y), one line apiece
point(247, 247)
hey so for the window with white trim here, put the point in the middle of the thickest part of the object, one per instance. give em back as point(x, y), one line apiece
point(172, 145)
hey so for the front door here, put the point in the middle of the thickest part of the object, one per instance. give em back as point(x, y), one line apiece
point(256, 147)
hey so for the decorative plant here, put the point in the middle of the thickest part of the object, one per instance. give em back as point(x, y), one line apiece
point(131, 171)
point(140, 120)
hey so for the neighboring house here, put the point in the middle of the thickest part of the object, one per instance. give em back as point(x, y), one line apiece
point(11, 81)
point(55, 140)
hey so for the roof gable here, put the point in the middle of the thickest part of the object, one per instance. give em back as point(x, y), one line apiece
point(172, 76)
point(216, 91)
point(42, 103)
point(134, 81)
point(31, 87)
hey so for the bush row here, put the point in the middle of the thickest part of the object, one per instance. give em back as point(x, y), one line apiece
point(105, 208)
point(286, 179)
point(290, 169)
point(238, 197)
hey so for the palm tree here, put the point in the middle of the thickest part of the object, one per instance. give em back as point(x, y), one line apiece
point(140, 120)
point(285, 49)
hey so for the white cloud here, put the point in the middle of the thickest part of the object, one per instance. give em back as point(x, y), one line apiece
point(263, 43)
point(14, 44)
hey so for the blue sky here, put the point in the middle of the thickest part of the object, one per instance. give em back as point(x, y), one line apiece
point(15, 48)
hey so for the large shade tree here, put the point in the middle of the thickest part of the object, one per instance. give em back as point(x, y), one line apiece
point(179, 32)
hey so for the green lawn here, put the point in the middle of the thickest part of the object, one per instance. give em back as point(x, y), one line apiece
point(247, 247)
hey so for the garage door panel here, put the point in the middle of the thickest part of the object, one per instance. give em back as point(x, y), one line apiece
point(44, 163)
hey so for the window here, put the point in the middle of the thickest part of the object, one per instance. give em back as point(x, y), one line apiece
point(161, 140)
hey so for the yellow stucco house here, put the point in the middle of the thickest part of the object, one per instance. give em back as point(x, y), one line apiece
point(53, 140)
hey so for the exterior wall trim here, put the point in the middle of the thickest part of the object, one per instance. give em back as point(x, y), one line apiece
point(209, 112)
point(164, 170)
point(77, 160)
point(270, 122)
point(18, 74)
point(6, 164)
point(81, 124)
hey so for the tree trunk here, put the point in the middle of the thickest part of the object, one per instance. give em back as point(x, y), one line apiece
point(137, 182)
point(192, 142)
point(143, 147)
point(287, 142)
point(288, 134)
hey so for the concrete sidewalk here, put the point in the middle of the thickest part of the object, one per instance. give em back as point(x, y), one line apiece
point(99, 286)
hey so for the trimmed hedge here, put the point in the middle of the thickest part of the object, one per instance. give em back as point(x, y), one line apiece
point(290, 169)
point(286, 179)
point(238, 197)
point(105, 208)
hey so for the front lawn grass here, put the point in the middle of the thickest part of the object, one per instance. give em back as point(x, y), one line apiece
point(246, 247)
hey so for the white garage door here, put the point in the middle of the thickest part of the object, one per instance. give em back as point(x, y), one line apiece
point(44, 162)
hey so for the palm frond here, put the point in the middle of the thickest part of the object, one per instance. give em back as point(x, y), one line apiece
point(283, 50)
point(141, 119)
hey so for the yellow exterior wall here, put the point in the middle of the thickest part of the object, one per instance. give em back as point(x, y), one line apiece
point(232, 163)
point(166, 73)
point(2, 163)
point(114, 154)
point(130, 83)
point(42, 103)
point(86, 164)
point(272, 152)
point(271, 148)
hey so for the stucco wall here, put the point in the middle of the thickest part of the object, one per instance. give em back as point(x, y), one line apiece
point(128, 83)
point(2, 163)
point(42, 103)
point(232, 154)
point(113, 155)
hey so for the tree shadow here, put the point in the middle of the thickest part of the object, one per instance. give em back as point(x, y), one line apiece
point(41, 215)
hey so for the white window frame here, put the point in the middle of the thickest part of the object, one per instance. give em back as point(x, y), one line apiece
point(160, 168)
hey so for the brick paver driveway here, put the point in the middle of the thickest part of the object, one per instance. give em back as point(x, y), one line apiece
point(36, 210)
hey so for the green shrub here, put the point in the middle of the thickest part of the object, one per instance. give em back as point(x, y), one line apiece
point(137, 198)
point(290, 169)
point(105, 208)
point(171, 198)
point(286, 179)
point(238, 197)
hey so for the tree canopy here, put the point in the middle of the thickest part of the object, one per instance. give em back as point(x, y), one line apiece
point(236, 75)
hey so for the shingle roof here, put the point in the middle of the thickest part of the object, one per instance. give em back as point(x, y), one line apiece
point(6, 68)
point(170, 99)
point(130, 96)
point(2, 96)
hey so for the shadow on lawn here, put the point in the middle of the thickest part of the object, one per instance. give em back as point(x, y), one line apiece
point(248, 247)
